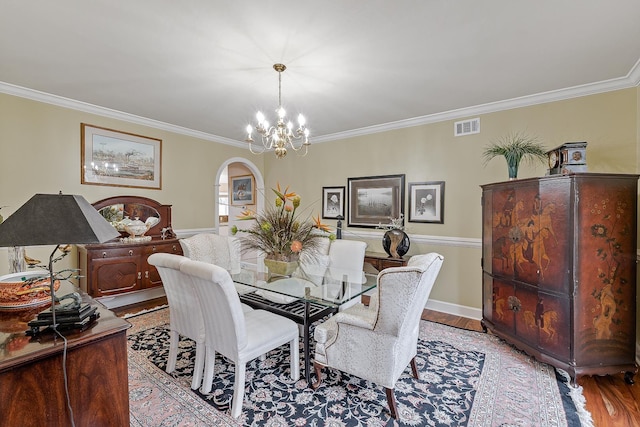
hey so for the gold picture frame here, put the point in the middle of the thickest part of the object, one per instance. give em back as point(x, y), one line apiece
point(119, 159)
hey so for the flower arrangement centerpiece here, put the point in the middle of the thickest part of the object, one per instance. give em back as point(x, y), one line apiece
point(281, 233)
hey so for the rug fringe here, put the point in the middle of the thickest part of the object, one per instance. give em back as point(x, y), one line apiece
point(578, 400)
point(140, 313)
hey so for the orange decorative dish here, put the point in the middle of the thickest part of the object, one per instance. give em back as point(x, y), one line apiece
point(25, 289)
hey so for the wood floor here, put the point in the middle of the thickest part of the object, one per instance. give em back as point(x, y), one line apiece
point(610, 400)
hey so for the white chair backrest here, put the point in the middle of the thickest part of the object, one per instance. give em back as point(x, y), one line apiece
point(403, 293)
point(184, 310)
point(223, 251)
point(346, 257)
point(223, 316)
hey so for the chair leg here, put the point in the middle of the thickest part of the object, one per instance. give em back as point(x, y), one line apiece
point(391, 400)
point(174, 337)
point(199, 366)
point(414, 368)
point(294, 357)
point(318, 368)
point(238, 390)
point(209, 367)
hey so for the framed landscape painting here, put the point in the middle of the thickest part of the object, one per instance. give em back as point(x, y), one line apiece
point(332, 202)
point(374, 200)
point(119, 159)
point(426, 202)
point(242, 190)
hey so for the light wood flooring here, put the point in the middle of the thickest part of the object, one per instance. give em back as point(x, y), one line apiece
point(610, 400)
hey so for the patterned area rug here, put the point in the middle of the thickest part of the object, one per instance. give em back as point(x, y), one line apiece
point(466, 379)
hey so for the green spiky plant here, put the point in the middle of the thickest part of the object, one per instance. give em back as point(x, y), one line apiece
point(515, 147)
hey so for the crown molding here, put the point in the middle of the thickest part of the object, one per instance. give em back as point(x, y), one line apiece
point(85, 107)
point(632, 79)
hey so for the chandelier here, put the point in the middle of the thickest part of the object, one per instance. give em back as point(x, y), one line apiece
point(281, 136)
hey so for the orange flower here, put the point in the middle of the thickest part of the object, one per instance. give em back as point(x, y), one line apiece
point(283, 195)
point(319, 225)
point(288, 208)
point(296, 246)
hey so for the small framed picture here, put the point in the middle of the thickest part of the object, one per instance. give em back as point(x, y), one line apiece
point(426, 202)
point(375, 199)
point(332, 202)
point(242, 190)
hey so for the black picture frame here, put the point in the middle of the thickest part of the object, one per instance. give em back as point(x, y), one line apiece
point(426, 202)
point(374, 200)
point(333, 202)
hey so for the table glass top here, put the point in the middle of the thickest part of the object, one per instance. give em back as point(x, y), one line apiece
point(327, 286)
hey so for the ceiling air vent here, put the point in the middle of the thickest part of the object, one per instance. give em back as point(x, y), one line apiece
point(467, 127)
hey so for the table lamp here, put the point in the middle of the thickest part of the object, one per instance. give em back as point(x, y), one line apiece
point(55, 219)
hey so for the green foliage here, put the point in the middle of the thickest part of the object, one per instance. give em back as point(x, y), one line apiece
point(515, 147)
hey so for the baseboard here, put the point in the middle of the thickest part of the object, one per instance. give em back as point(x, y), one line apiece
point(131, 298)
point(455, 309)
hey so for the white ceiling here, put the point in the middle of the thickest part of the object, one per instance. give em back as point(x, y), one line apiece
point(353, 66)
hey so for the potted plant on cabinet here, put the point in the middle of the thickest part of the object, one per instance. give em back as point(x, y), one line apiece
point(515, 147)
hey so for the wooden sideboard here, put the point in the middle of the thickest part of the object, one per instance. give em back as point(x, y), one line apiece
point(380, 261)
point(115, 268)
point(559, 269)
point(120, 266)
point(32, 391)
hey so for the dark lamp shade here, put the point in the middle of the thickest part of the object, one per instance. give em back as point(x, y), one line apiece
point(52, 219)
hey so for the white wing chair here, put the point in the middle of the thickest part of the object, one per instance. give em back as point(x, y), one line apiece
point(377, 343)
point(237, 335)
point(223, 251)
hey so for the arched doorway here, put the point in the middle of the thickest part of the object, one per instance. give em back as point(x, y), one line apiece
point(238, 164)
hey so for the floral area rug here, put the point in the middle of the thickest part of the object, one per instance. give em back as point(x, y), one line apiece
point(466, 379)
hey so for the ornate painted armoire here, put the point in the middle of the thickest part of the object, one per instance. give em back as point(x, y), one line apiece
point(559, 269)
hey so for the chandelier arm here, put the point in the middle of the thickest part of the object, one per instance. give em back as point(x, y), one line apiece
point(256, 152)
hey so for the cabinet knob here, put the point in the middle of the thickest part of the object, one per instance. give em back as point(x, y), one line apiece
point(139, 275)
point(104, 254)
point(174, 248)
point(130, 252)
point(153, 248)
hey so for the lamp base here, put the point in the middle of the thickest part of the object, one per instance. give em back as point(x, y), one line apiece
point(78, 319)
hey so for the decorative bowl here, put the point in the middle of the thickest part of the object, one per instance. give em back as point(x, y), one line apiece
point(136, 228)
point(15, 292)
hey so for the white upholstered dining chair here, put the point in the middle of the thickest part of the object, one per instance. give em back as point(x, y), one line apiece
point(384, 335)
point(223, 251)
point(346, 261)
point(237, 335)
point(185, 317)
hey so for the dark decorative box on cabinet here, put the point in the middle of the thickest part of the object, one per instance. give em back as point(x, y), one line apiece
point(559, 269)
point(119, 267)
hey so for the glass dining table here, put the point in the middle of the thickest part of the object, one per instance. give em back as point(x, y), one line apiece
point(307, 296)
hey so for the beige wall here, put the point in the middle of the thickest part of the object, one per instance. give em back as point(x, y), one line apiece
point(40, 152)
point(608, 122)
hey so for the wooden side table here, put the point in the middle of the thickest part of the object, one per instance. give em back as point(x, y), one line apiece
point(380, 261)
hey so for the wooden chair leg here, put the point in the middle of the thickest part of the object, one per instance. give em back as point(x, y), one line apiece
point(391, 400)
point(318, 368)
point(414, 368)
